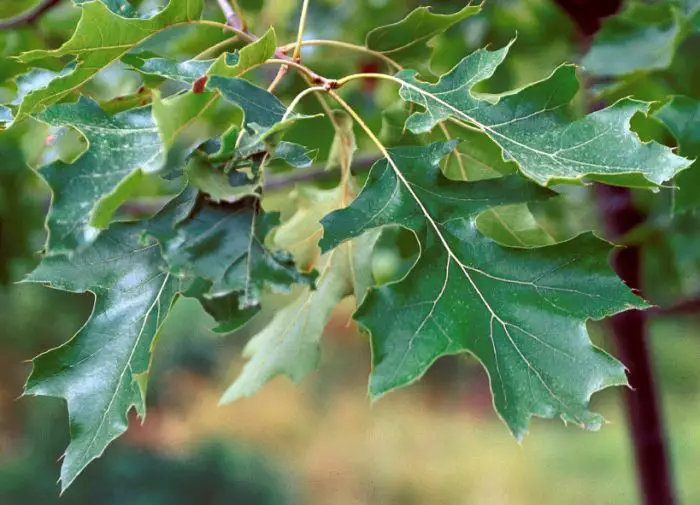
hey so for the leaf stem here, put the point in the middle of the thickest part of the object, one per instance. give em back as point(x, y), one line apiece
point(298, 98)
point(345, 45)
point(278, 78)
point(232, 17)
point(239, 12)
point(315, 78)
point(296, 55)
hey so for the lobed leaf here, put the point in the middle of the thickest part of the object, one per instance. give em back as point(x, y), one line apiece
point(532, 127)
point(101, 38)
point(407, 41)
point(224, 244)
point(521, 312)
point(101, 371)
point(123, 150)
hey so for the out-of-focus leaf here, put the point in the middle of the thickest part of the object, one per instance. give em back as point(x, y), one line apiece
point(682, 117)
point(642, 37)
point(5, 115)
point(407, 41)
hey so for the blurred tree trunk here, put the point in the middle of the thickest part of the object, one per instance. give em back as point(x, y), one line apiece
point(629, 329)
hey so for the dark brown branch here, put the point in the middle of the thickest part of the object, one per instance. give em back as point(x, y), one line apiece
point(30, 17)
point(620, 214)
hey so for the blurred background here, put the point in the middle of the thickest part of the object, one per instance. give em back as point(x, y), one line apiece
point(322, 442)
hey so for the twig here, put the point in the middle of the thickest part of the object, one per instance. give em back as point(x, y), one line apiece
point(232, 18)
point(239, 12)
point(296, 55)
point(29, 17)
point(280, 55)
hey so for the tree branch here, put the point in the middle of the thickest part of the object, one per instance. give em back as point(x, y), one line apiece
point(282, 56)
point(29, 17)
point(317, 172)
point(232, 18)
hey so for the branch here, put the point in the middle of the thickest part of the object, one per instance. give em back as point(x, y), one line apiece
point(29, 17)
point(280, 55)
point(317, 172)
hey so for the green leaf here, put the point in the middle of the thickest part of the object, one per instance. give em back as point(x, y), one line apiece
point(120, 7)
point(264, 118)
point(249, 57)
point(186, 71)
point(100, 38)
point(225, 310)
point(641, 37)
point(513, 226)
point(289, 344)
point(521, 312)
point(225, 245)
point(533, 128)
point(38, 78)
point(226, 65)
point(184, 120)
point(260, 107)
point(681, 116)
point(407, 41)
point(122, 151)
point(101, 370)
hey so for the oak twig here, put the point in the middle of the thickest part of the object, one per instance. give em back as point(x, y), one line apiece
point(232, 18)
point(29, 17)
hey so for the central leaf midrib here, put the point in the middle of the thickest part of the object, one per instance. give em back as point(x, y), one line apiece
point(488, 129)
point(464, 268)
point(127, 366)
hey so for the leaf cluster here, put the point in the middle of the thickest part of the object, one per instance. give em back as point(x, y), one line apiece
point(197, 145)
